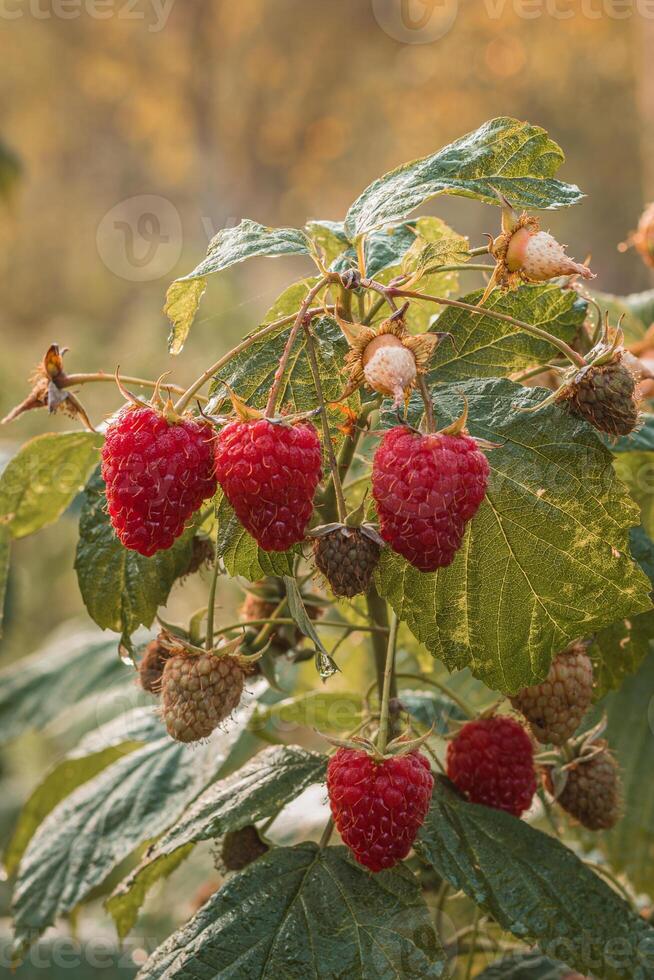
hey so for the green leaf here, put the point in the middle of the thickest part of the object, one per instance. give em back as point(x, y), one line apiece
point(36, 689)
point(545, 560)
point(629, 847)
point(229, 246)
point(182, 301)
point(484, 347)
point(44, 476)
point(251, 373)
point(426, 256)
point(5, 555)
point(506, 155)
point(324, 663)
point(120, 588)
point(259, 790)
point(91, 831)
point(241, 554)
point(325, 711)
point(534, 887)
point(303, 913)
point(329, 236)
point(431, 709)
point(97, 751)
point(526, 966)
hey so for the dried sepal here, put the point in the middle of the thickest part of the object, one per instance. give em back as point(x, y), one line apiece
point(49, 390)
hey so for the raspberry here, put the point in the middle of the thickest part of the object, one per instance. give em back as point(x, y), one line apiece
point(198, 692)
point(347, 557)
point(378, 806)
point(389, 368)
point(491, 761)
point(426, 488)
point(151, 666)
point(240, 848)
point(269, 473)
point(554, 709)
point(538, 256)
point(605, 396)
point(157, 473)
point(592, 790)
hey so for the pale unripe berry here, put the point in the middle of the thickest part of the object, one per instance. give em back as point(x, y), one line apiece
point(539, 257)
point(389, 367)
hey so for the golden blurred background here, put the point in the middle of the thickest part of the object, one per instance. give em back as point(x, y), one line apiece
point(142, 128)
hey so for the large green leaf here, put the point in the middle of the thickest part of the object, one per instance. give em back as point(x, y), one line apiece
point(545, 560)
point(483, 347)
point(504, 154)
point(121, 589)
point(535, 888)
point(36, 689)
point(630, 845)
point(306, 913)
point(259, 790)
point(239, 551)
point(97, 751)
point(229, 246)
point(618, 650)
point(44, 476)
point(324, 710)
point(91, 831)
point(526, 966)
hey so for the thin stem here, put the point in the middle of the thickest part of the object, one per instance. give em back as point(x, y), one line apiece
point(211, 603)
point(468, 267)
point(345, 457)
point(471, 953)
point(188, 394)
point(428, 403)
point(341, 507)
point(327, 833)
point(480, 250)
point(382, 737)
point(378, 616)
point(299, 320)
point(465, 707)
point(287, 621)
point(567, 351)
point(373, 311)
point(534, 372)
point(70, 380)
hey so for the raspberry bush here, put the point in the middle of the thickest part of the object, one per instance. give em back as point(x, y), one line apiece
point(412, 713)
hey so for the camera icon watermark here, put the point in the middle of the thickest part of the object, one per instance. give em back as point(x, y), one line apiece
point(416, 21)
point(140, 239)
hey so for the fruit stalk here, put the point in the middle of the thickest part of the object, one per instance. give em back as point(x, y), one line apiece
point(212, 602)
point(560, 345)
point(382, 738)
point(297, 324)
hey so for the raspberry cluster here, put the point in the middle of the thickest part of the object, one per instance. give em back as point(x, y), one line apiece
point(378, 806)
point(269, 472)
point(157, 473)
point(426, 488)
point(491, 761)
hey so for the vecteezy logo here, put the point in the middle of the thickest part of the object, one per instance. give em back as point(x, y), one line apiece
point(415, 21)
point(140, 239)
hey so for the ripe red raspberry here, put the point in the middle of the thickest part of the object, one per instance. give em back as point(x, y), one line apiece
point(157, 473)
point(426, 488)
point(269, 472)
point(378, 807)
point(492, 761)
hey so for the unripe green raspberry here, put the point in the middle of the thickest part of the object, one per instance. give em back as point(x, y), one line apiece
point(198, 692)
point(555, 708)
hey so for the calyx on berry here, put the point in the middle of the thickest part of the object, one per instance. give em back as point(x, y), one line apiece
point(524, 253)
point(603, 392)
point(387, 358)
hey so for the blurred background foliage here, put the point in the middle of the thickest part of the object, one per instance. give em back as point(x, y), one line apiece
point(281, 111)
